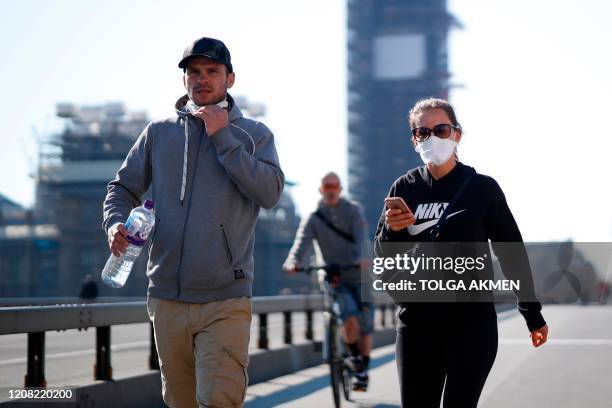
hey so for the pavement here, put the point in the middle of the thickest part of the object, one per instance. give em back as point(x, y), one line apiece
point(310, 388)
point(573, 370)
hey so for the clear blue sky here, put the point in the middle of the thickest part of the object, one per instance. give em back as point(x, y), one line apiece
point(534, 102)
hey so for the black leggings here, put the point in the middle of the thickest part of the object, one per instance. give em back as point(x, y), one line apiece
point(456, 357)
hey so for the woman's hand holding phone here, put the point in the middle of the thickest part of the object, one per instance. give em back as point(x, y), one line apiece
point(398, 215)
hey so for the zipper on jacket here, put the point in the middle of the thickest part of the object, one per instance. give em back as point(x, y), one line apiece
point(180, 264)
point(228, 246)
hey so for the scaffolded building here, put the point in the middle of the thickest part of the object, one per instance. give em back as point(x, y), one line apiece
point(75, 166)
point(397, 54)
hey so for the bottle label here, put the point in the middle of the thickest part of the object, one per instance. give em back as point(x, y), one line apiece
point(137, 232)
point(144, 234)
point(130, 226)
point(135, 240)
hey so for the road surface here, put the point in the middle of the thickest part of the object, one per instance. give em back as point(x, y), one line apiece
point(573, 370)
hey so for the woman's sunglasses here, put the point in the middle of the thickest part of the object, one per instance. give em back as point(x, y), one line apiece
point(442, 131)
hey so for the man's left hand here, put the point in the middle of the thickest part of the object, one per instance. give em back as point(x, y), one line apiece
point(215, 118)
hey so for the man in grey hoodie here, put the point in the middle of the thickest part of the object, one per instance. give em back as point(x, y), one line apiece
point(210, 170)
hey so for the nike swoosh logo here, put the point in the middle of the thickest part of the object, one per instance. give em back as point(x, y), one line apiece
point(418, 228)
point(455, 213)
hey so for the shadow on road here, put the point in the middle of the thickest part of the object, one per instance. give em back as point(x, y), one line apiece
point(310, 386)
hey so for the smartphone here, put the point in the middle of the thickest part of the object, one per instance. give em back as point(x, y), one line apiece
point(397, 203)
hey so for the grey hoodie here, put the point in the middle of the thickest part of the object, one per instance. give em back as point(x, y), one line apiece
point(207, 193)
point(347, 216)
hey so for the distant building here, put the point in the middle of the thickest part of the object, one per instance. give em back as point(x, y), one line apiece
point(397, 54)
point(74, 169)
point(12, 213)
point(29, 257)
point(28, 253)
point(274, 236)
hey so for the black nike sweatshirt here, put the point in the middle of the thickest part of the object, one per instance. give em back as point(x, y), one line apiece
point(480, 214)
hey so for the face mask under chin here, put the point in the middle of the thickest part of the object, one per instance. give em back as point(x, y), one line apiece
point(191, 106)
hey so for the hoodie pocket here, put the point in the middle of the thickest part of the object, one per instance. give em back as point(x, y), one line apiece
point(208, 262)
point(227, 244)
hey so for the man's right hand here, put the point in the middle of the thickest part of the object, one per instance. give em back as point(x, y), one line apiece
point(290, 267)
point(398, 220)
point(117, 239)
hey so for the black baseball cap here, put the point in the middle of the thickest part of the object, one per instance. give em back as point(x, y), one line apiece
point(210, 48)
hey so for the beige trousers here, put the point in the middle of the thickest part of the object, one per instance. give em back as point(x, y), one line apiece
point(203, 351)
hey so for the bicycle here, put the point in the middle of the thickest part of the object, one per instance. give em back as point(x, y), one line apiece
point(334, 350)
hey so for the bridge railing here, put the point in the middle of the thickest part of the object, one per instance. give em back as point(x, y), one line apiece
point(37, 320)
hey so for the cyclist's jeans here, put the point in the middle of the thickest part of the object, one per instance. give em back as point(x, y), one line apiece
point(349, 301)
point(432, 353)
point(203, 351)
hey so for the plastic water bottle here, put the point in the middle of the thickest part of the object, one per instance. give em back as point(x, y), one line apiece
point(138, 225)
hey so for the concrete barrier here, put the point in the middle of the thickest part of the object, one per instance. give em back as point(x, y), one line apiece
point(144, 391)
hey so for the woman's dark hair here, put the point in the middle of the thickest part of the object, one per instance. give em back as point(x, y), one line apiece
point(432, 103)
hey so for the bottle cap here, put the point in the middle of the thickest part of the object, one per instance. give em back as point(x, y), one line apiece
point(148, 204)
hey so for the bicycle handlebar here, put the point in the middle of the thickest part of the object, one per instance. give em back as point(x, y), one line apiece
point(329, 268)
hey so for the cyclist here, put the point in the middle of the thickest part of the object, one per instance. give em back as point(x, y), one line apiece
point(338, 226)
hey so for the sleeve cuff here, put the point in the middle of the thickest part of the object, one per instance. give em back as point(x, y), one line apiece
point(532, 314)
point(391, 236)
point(111, 225)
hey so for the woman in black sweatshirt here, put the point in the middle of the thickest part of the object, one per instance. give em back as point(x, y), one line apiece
point(451, 346)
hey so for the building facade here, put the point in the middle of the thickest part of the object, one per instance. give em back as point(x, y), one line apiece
point(29, 261)
point(75, 166)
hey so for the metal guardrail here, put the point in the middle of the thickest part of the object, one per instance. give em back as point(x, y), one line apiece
point(29, 319)
point(36, 320)
point(39, 301)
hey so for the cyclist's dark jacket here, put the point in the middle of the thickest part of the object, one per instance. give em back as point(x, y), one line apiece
point(480, 214)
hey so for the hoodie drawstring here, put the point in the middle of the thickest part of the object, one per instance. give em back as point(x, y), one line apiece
point(186, 152)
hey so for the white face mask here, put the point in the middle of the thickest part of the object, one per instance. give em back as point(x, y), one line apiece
point(192, 107)
point(435, 150)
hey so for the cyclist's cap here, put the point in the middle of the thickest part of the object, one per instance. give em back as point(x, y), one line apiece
point(210, 48)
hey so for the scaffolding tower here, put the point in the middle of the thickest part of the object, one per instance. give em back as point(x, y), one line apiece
point(397, 54)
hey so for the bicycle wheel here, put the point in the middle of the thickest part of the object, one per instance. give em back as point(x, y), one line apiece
point(333, 359)
point(347, 376)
